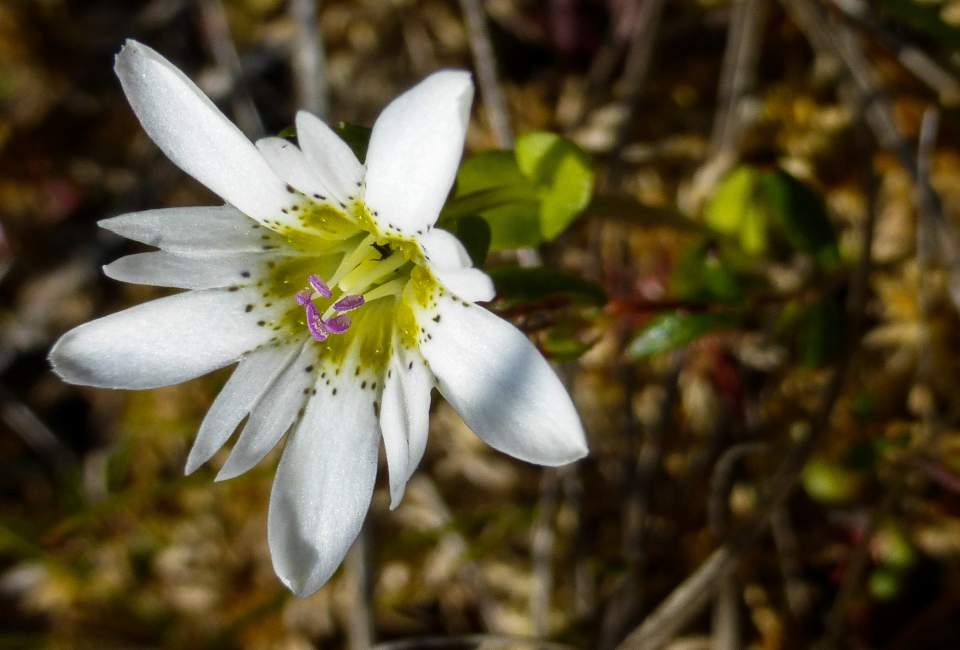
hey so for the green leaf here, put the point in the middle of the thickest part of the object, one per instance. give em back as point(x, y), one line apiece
point(486, 170)
point(490, 185)
point(885, 584)
point(474, 233)
point(562, 343)
point(820, 334)
point(517, 285)
point(357, 138)
point(701, 275)
point(758, 208)
point(675, 330)
point(733, 210)
point(830, 483)
point(562, 172)
point(801, 215)
point(289, 132)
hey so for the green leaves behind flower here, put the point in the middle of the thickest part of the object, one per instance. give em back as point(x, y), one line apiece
point(529, 195)
point(563, 307)
point(356, 137)
point(671, 331)
point(516, 285)
point(761, 209)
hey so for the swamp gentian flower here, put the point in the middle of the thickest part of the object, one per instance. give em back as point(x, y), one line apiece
point(326, 279)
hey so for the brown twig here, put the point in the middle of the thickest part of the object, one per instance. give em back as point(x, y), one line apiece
point(738, 76)
point(918, 62)
point(636, 68)
point(360, 630)
point(224, 52)
point(307, 57)
point(542, 543)
point(486, 67)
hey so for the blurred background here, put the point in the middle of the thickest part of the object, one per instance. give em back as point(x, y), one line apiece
point(756, 314)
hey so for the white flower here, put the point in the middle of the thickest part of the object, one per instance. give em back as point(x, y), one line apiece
point(326, 279)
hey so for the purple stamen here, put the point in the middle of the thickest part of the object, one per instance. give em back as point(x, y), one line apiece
point(348, 302)
point(338, 324)
point(303, 298)
point(319, 286)
point(318, 330)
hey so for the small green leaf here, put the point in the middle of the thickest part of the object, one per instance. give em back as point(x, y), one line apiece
point(490, 184)
point(486, 170)
point(289, 133)
point(801, 215)
point(474, 234)
point(820, 334)
point(563, 174)
point(562, 343)
point(517, 285)
point(733, 210)
point(701, 275)
point(830, 483)
point(675, 330)
point(884, 583)
point(357, 138)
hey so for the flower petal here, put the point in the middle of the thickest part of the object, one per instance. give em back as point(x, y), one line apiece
point(323, 486)
point(501, 385)
point(162, 269)
point(404, 417)
point(252, 378)
point(444, 250)
point(273, 414)
point(162, 342)
point(198, 231)
point(330, 157)
point(472, 285)
point(290, 164)
point(195, 135)
point(414, 151)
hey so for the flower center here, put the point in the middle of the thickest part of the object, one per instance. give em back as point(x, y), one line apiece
point(370, 272)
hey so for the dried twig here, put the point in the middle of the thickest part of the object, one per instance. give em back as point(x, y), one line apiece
point(224, 52)
point(921, 64)
point(744, 39)
point(542, 544)
point(360, 631)
point(486, 66)
point(310, 79)
point(639, 58)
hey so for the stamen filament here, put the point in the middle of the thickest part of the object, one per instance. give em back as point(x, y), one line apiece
point(351, 260)
point(392, 288)
point(369, 272)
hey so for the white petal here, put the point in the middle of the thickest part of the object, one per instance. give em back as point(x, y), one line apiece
point(162, 342)
point(273, 414)
point(501, 386)
point(472, 285)
point(323, 486)
point(290, 164)
point(414, 151)
point(444, 250)
point(252, 378)
point(404, 417)
point(331, 158)
point(162, 269)
point(195, 135)
point(200, 230)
